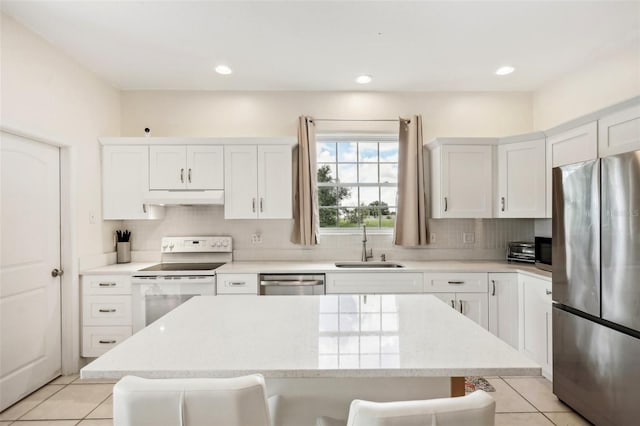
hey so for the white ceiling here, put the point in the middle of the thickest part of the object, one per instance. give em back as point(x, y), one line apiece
point(299, 45)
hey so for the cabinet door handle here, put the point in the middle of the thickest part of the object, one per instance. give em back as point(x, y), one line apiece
point(107, 311)
point(253, 205)
point(106, 342)
point(455, 282)
point(547, 291)
point(446, 206)
point(502, 203)
point(189, 175)
point(493, 291)
point(182, 175)
point(261, 202)
point(107, 284)
point(461, 307)
point(237, 283)
point(453, 304)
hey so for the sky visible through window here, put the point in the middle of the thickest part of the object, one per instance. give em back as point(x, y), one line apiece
point(357, 182)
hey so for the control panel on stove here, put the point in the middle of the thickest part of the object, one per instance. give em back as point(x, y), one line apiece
point(197, 245)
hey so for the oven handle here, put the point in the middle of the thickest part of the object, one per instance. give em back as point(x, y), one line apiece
point(286, 283)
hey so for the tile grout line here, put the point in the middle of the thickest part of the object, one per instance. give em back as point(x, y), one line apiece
point(39, 403)
point(525, 398)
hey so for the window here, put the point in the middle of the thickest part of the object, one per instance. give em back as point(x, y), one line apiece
point(357, 181)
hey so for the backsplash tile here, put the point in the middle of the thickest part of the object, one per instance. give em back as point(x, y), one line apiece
point(490, 237)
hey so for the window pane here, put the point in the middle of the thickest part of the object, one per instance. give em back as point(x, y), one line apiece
point(326, 152)
point(347, 173)
point(388, 173)
point(388, 196)
point(387, 217)
point(388, 152)
point(326, 173)
point(328, 217)
point(368, 173)
point(349, 218)
point(347, 152)
point(372, 218)
point(368, 195)
point(368, 152)
point(348, 196)
point(328, 196)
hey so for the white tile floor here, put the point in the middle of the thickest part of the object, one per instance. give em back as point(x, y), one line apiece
point(69, 401)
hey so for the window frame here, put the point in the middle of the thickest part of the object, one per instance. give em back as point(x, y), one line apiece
point(357, 138)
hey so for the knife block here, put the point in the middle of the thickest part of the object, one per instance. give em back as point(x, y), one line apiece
point(123, 252)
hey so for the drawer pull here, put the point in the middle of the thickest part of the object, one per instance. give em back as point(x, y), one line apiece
point(461, 307)
point(106, 342)
point(453, 304)
point(493, 292)
point(107, 284)
point(107, 311)
point(455, 282)
point(237, 283)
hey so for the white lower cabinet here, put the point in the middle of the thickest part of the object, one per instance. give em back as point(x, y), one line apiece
point(535, 325)
point(471, 305)
point(236, 284)
point(106, 312)
point(374, 283)
point(503, 307)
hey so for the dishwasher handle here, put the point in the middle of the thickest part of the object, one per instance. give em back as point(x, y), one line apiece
point(291, 283)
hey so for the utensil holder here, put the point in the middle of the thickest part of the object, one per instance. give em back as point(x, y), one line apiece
point(123, 252)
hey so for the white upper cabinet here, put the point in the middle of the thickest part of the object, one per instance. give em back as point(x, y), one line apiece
point(125, 181)
point(198, 167)
point(462, 181)
point(258, 182)
point(521, 179)
point(573, 146)
point(619, 132)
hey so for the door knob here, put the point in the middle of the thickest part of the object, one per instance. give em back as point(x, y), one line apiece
point(56, 272)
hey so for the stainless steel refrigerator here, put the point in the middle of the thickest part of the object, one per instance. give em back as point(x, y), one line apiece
point(596, 288)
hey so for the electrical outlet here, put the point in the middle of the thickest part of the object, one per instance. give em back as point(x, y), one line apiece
point(256, 239)
point(468, 237)
point(432, 237)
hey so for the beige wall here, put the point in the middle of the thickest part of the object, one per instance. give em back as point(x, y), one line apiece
point(182, 113)
point(46, 93)
point(602, 83)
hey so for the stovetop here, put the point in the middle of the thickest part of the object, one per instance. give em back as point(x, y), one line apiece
point(173, 267)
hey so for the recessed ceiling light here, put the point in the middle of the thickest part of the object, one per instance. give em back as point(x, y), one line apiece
point(505, 70)
point(223, 69)
point(363, 79)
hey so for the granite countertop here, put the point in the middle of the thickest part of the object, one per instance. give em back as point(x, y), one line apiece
point(316, 337)
point(255, 267)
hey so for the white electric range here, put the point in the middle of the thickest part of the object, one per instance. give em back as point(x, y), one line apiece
point(187, 269)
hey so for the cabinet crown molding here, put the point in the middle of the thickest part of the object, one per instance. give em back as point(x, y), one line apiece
point(280, 140)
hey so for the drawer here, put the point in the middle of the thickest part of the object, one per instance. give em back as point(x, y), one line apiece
point(106, 310)
point(374, 283)
point(237, 283)
point(106, 284)
point(98, 340)
point(456, 282)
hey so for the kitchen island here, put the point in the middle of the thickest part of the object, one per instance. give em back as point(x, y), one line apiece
point(318, 352)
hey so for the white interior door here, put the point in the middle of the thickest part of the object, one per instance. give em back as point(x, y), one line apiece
point(30, 345)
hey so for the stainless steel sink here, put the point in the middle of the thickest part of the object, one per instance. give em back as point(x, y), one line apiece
point(368, 265)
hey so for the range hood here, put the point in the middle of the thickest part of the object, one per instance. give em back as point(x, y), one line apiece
point(185, 198)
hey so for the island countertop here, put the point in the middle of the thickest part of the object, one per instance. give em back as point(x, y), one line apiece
point(331, 336)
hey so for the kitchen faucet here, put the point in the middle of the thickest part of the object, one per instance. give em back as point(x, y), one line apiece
point(365, 255)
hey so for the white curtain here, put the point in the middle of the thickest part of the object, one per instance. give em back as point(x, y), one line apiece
point(305, 186)
point(411, 219)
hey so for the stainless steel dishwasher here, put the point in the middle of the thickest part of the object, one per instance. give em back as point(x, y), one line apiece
point(291, 284)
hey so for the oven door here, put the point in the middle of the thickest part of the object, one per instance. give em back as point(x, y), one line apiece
point(153, 297)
